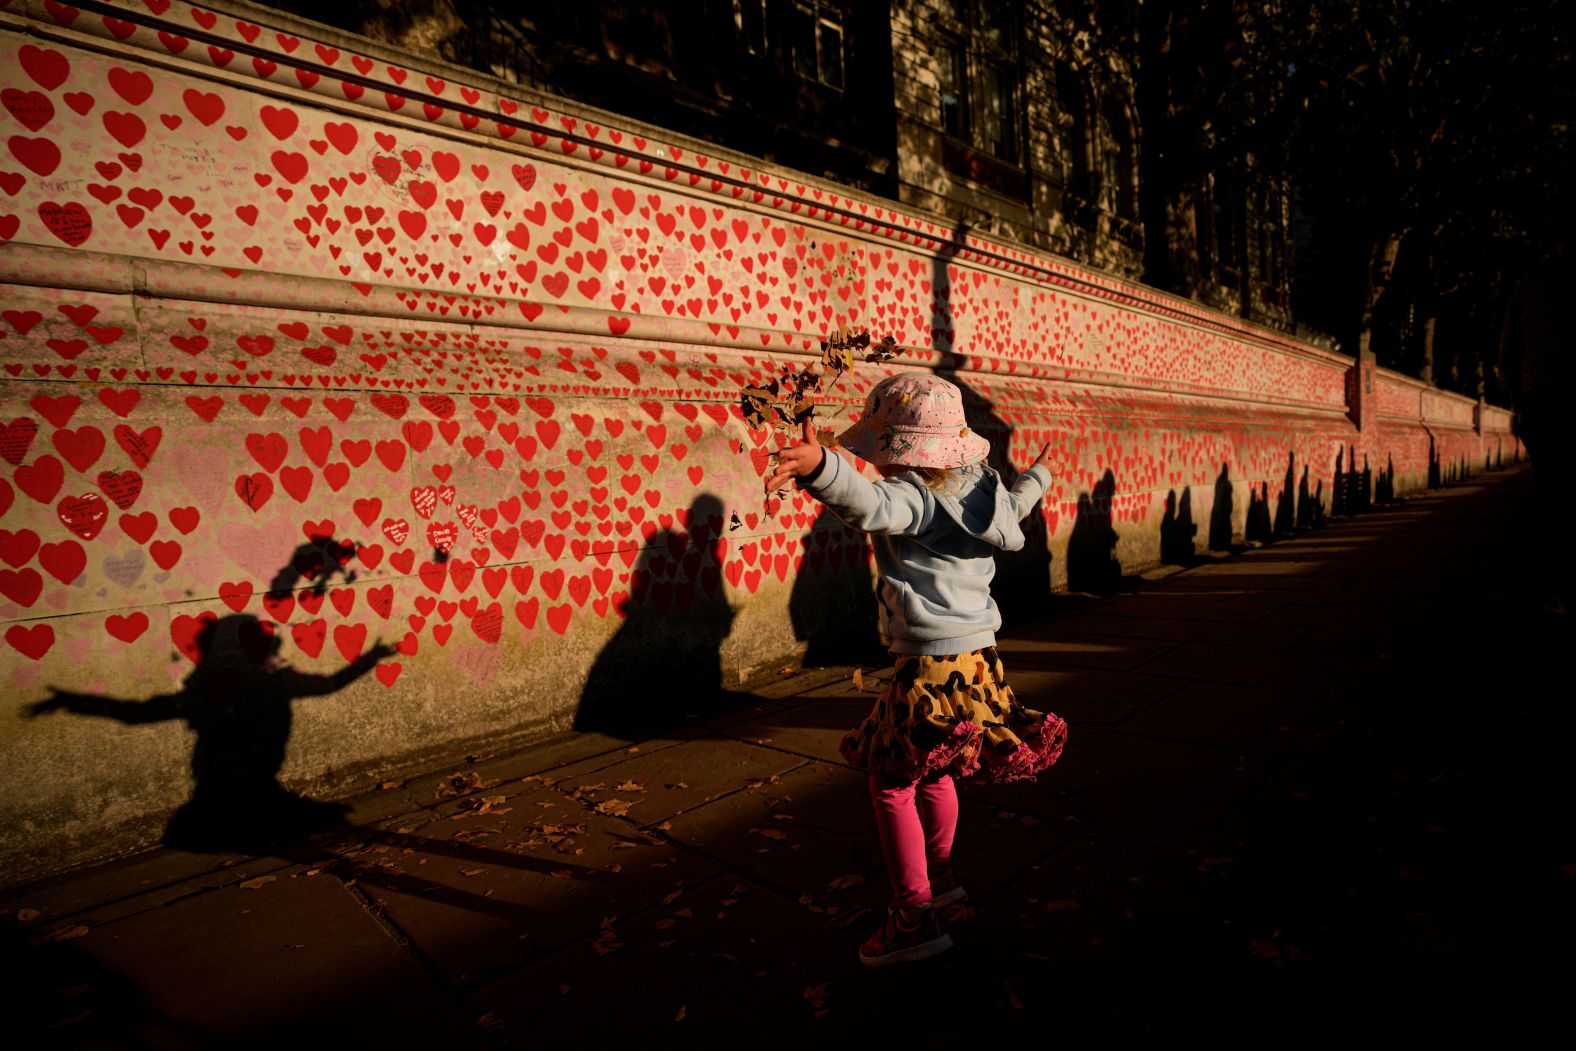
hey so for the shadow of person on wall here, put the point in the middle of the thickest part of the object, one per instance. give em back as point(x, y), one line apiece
point(1220, 528)
point(238, 701)
point(1306, 517)
point(1286, 503)
point(1384, 488)
point(1092, 565)
point(833, 603)
point(1178, 531)
point(1259, 529)
point(663, 665)
point(1022, 586)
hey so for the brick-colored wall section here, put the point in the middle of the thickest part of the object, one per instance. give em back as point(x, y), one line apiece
point(281, 308)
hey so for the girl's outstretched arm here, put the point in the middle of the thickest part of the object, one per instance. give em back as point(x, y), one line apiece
point(1029, 489)
point(890, 508)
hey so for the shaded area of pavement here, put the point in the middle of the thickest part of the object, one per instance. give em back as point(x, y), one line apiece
point(1318, 787)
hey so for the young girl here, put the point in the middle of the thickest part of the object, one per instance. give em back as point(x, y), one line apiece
point(936, 517)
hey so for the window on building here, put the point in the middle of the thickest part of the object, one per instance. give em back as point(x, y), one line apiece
point(977, 75)
point(750, 18)
point(1116, 161)
point(1228, 254)
point(998, 132)
point(953, 72)
point(1073, 119)
point(816, 32)
point(1269, 226)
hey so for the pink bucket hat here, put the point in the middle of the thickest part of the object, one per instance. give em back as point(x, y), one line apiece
point(915, 419)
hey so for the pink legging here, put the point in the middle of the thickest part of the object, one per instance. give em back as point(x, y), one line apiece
point(916, 823)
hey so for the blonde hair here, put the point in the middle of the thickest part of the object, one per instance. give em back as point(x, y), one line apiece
point(938, 479)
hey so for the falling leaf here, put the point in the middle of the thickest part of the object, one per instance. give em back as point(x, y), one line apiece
point(837, 355)
point(260, 881)
point(758, 404)
point(1012, 996)
point(680, 1016)
point(859, 680)
point(884, 351)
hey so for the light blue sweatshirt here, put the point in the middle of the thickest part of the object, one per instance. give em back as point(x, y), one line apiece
point(933, 550)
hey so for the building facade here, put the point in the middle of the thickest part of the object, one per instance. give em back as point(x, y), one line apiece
point(1015, 119)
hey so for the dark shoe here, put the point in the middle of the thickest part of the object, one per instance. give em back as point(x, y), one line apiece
point(897, 942)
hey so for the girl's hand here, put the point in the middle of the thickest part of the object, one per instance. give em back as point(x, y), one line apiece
point(1044, 459)
point(798, 461)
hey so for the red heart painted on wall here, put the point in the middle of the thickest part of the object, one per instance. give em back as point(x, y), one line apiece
point(84, 515)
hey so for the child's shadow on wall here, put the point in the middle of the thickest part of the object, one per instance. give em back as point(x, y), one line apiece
point(833, 603)
point(663, 666)
point(238, 700)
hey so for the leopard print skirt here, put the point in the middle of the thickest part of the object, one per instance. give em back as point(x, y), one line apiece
point(953, 715)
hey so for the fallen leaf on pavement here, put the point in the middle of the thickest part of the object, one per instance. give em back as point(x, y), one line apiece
point(459, 784)
point(769, 833)
point(27, 915)
point(853, 879)
point(63, 935)
point(1061, 905)
point(630, 786)
point(850, 918)
point(260, 881)
point(390, 785)
point(614, 807)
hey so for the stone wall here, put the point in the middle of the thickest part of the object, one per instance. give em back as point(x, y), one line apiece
point(309, 345)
